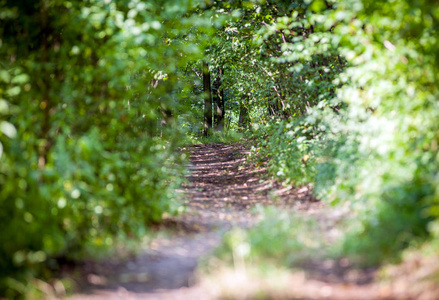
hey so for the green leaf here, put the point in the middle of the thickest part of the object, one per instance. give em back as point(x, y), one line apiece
point(20, 79)
point(4, 107)
point(8, 129)
point(14, 91)
point(317, 6)
point(4, 76)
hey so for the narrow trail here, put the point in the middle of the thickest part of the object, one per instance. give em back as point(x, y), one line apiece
point(221, 194)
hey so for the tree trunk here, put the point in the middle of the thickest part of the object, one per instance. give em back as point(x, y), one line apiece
point(243, 114)
point(46, 104)
point(218, 98)
point(207, 100)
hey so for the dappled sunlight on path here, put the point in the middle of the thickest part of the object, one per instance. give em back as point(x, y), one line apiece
point(223, 188)
point(222, 193)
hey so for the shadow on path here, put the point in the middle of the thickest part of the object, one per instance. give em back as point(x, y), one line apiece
point(221, 193)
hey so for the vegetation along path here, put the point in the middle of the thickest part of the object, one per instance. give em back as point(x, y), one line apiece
point(222, 193)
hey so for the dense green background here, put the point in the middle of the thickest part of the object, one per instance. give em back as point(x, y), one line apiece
point(96, 97)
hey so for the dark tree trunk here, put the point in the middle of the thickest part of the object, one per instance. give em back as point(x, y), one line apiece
point(46, 104)
point(218, 98)
point(243, 114)
point(207, 100)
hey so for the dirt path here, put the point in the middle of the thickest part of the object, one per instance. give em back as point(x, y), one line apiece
point(221, 194)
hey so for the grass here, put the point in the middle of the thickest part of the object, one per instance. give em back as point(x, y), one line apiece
point(283, 237)
point(258, 263)
point(225, 137)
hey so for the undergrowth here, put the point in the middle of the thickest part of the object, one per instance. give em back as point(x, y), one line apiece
point(392, 211)
point(225, 137)
point(283, 239)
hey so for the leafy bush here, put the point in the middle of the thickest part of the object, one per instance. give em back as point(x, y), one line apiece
point(88, 139)
point(373, 143)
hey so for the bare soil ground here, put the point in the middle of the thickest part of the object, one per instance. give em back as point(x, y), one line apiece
point(221, 194)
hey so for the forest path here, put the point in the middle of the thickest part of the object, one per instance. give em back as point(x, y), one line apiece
point(221, 194)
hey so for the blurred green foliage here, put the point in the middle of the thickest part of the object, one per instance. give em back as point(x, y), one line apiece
point(88, 144)
point(282, 238)
point(96, 97)
point(368, 136)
